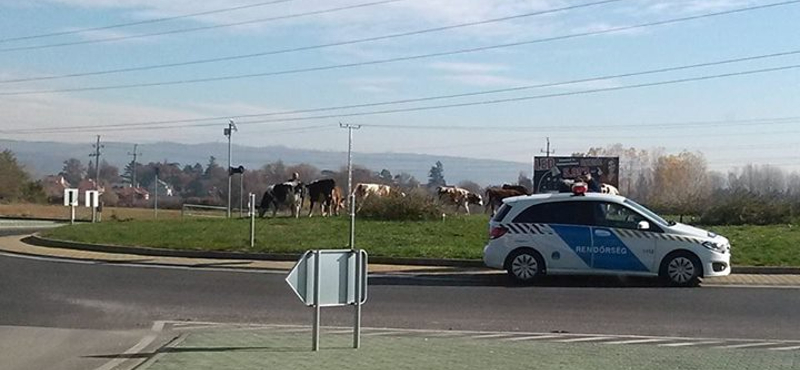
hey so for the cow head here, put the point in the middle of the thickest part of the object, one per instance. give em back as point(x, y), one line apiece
point(473, 198)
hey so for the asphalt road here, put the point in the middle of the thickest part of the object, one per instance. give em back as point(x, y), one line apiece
point(113, 297)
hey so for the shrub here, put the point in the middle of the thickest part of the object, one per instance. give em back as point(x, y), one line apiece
point(395, 207)
point(741, 208)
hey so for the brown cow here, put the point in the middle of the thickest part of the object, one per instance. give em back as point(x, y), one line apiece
point(495, 196)
point(337, 201)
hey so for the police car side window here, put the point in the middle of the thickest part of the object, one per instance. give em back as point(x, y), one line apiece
point(565, 213)
point(616, 216)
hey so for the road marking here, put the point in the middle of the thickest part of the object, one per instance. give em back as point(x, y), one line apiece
point(638, 341)
point(590, 339)
point(158, 326)
point(685, 344)
point(792, 348)
point(531, 337)
point(495, 335)
point(747, 345)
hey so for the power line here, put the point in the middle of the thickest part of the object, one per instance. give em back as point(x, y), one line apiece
point(393, 60)
point(451, 96)
point(310, 47)
point(137, 23)
point(202, 28)
point(476, 103)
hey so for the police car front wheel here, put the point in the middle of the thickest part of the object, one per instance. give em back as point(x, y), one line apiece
point(525, 265)
point(681, 269)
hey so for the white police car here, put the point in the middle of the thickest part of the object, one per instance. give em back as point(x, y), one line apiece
point(593, 233)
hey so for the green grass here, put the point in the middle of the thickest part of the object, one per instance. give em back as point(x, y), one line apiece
point(770, 245)
point(457, 237)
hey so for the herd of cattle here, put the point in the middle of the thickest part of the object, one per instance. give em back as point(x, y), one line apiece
point(331, 200)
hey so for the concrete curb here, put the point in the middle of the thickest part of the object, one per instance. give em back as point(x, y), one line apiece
point(40, 241)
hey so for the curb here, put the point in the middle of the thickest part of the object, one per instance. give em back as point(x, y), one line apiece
point(59, 220)
point(40, 241)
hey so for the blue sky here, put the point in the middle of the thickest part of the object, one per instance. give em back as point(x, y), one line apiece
point(644, 118)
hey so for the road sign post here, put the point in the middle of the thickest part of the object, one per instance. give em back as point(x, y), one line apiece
point(92, 199)
point(71, 200)
point(251, 209)
point(330, 278)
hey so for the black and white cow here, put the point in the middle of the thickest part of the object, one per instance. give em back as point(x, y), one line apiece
point(321, 191)
point(289, 194)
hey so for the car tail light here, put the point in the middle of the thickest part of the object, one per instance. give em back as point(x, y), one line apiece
point(497, 232)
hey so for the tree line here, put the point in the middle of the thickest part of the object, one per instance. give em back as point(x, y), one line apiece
point(679, 184)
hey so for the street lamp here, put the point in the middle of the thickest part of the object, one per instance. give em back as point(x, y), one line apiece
point(228, 132)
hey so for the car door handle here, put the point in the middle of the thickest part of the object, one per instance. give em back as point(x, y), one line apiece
point(602, 233)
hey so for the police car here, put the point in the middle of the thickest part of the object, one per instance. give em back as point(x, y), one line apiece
point(593, 233)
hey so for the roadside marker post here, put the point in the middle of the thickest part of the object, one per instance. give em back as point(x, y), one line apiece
point(92, 199)
point(331, 278)
point(71, 201)
point(251, 209)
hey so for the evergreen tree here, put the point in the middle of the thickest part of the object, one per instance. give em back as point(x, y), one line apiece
point(436, 176)
point(73, 171)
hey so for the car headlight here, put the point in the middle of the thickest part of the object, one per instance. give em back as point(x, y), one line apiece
point(716, 247)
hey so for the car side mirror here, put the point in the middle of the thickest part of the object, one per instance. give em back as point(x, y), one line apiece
point(643, 225)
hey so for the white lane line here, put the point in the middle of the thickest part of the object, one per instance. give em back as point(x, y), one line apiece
point(138, 347)
point(590, 339)
point(685, 344)
point(495, 335)
point(792, 348)
point(531, 337)
point(638, 341)
point(748, 345)
point(379, 333)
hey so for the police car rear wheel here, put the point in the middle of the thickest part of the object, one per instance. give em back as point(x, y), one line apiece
point(525, 265)
point(682, 269)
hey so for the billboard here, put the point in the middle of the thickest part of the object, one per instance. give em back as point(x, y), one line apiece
point(549, 171)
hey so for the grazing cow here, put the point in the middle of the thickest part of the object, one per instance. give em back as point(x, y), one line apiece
point(495, 196)
point(363, 191)
point(321, 191)
point(518, 188)
point(337, 200)
point(458, 197)
point(289, 194)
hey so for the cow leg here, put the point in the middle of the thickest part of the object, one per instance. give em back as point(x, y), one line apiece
point(311, 207)
point(466, 207)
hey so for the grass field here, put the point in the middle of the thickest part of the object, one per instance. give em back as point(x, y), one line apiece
point(457, 237)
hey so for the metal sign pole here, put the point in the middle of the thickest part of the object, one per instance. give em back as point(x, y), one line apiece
point(72, 214)
point(155, 201)
point(94, 208)
point(315, 334)
point(357, 295)
point(252, 210)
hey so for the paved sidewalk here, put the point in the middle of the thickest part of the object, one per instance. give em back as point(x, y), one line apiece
point(289, 348)
point(13, 244)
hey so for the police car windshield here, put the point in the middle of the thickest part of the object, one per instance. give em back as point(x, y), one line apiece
point(650, 214)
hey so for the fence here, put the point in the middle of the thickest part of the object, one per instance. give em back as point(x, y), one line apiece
point(198, 210)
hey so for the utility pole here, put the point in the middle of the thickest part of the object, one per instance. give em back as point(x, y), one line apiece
point(352, 200)
point(97, 147)
point(548, 151)
point(228, 132)
point(133, 164)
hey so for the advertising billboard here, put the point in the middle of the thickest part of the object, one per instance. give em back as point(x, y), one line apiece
point(549, 171)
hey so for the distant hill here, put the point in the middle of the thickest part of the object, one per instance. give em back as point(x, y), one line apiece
point(43, 158)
